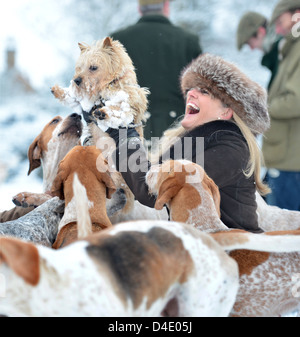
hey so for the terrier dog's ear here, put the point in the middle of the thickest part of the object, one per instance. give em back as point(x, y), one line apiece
point(107, 42)
point(83, 47)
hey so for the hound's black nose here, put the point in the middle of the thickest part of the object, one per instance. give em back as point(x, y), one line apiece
point(75, 116)
point(78, 80)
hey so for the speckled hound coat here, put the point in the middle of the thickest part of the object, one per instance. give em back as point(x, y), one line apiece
point(266, 278)
point(269, 281)
point(38, 226)
point(272, 218)
point(179, 270)
point(132, 269)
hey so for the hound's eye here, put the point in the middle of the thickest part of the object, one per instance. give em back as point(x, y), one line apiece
point(55, 121)
point(93, 68)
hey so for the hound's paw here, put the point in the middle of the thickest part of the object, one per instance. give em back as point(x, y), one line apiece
point(27, 199)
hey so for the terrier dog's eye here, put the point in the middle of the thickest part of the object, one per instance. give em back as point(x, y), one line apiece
point(93, 68)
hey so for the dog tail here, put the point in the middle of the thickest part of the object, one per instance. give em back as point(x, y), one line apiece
point(84, 224)
point(273, 242)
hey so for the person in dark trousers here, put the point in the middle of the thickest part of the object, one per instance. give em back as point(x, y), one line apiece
point(228, 110)
point(159, 50)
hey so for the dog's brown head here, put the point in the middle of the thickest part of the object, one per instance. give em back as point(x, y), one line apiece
point(56, 139)
point(177, 179)
point(90, 167)
point(99, 65)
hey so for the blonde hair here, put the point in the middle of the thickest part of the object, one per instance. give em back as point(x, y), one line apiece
point(255, 161)
point(256, 158)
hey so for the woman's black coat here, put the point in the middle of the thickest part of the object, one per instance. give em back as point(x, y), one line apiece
point(226, 156)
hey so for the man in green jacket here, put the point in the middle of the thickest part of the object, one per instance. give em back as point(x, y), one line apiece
point(254, 31)
point(159, 51)
point(281, 145)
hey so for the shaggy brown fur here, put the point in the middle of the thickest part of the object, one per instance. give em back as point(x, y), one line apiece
point(105, 86)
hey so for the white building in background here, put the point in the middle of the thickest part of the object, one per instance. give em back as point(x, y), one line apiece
point(12, 81)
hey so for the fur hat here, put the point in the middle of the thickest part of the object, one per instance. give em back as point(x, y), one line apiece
point(284, 6)
point(248, 26)
point(227, 83)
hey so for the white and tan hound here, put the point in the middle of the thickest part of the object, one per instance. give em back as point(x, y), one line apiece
point(89, 165)
point(266, 278)
point(56, 139)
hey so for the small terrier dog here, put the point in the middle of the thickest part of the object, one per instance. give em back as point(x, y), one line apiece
point(105, 86)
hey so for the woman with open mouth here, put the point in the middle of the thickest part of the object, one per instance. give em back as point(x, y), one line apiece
point(227, 110)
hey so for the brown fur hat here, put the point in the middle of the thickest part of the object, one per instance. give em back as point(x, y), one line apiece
point(227, 83)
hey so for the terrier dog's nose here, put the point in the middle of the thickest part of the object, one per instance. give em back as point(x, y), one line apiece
point(78, 80)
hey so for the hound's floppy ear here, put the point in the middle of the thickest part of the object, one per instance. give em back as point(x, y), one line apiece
point(107, 42)
point(57, 189)
point(167, 190)
point(103, 175)
point(83, 47)
point(110, 188)
point(34, 155)
point(22, 257)
point(109, 183)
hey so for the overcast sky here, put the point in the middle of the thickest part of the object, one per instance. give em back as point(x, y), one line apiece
point(32, 51)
